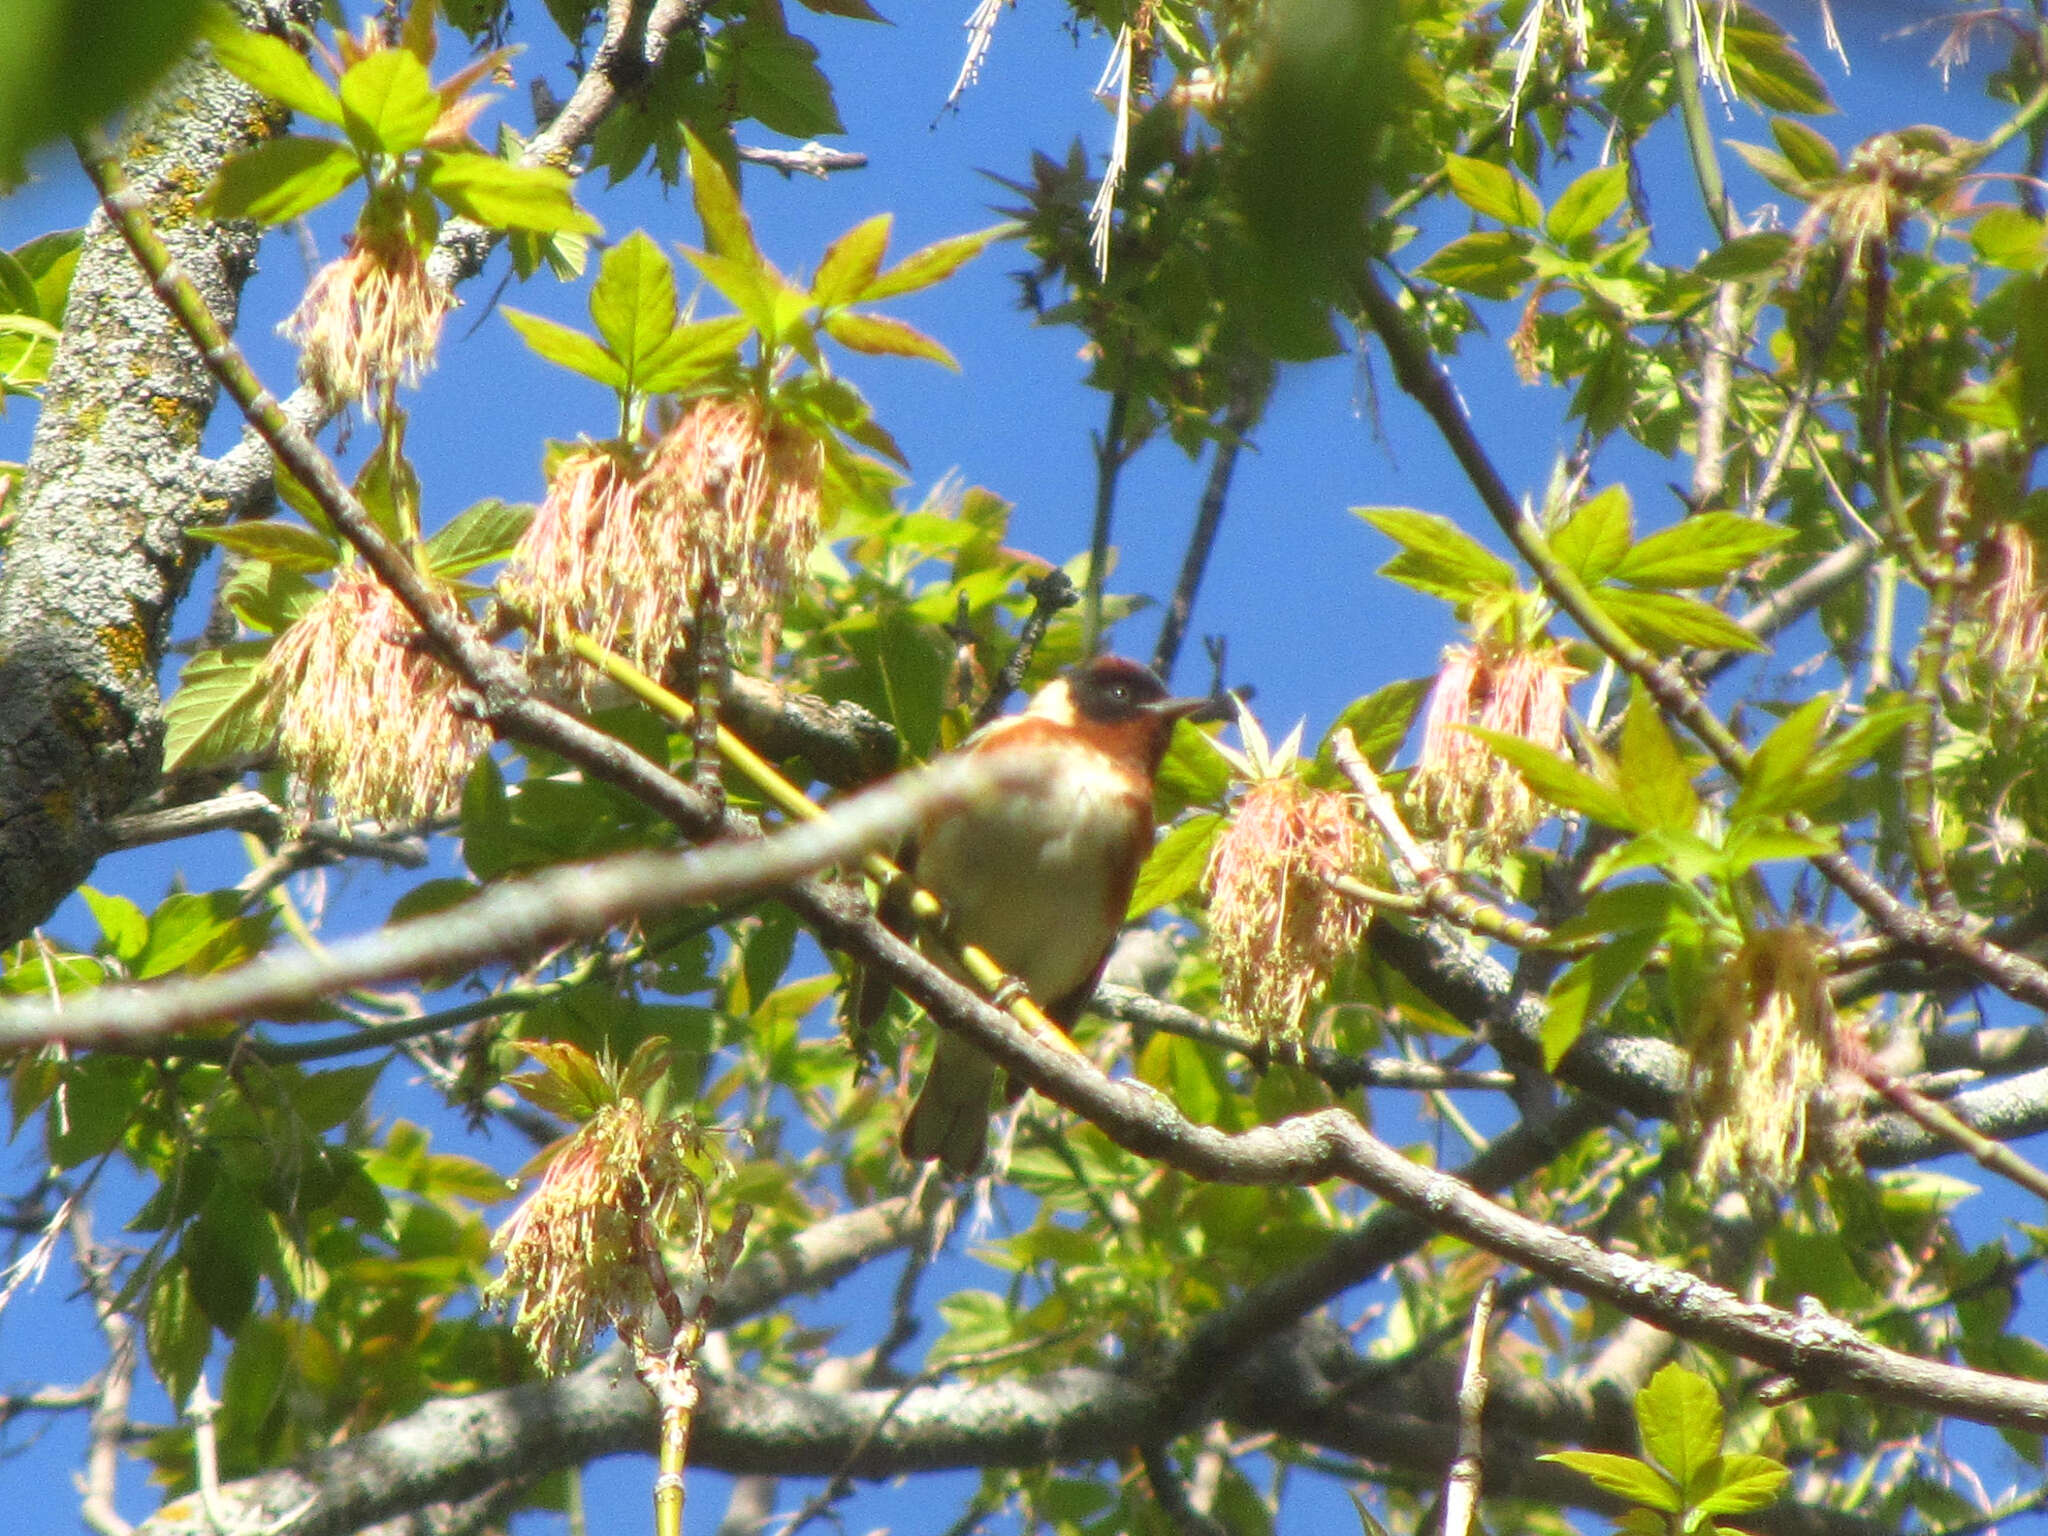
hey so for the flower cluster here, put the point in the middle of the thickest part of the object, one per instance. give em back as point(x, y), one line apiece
point(627, 542)
point(591, 1246)
point(1460, 786)
point(2008, 600)
point(1766, 1046)
point(365, 717)
point(370, 320)
point(1277, 928)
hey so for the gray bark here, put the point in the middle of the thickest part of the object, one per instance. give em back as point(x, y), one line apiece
point(98, 557)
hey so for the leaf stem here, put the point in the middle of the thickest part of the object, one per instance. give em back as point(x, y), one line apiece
point(1692, 112)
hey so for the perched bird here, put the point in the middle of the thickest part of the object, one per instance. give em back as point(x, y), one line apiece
point(1039, 878)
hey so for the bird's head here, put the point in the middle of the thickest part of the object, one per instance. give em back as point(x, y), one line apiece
point(1119, 704)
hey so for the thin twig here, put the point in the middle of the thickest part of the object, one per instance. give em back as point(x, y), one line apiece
point(1717, 374)
point(101, 1480)
point(1333, 1068)
point(1461, 1483)
point(247, 810)
point(1110, 457)
point(811, 159)
point(1242, 414)
point(1171, 1493)
point(1916, 749)
point(1051, 594)
point(1436, 888)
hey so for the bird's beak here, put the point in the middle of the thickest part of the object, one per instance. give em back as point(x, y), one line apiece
point(1170, 710)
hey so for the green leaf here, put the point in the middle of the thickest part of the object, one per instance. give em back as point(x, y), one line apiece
point(1180, 1069)
point(744, 283)
point(567, 347)
point(1588, 987)
point(1494, 190)
point(478, 536)
point(1679, 855)
point(1767, 68)
point(1856, 746)
point(123, 928)
point(1176, 864)
point(1781, 762)
point(271, 65)
point(726, 230)
point(1666, 623)
point(1590, 201)
point(1380, 721)
point(2008, 238)
point(388, 104)
point(500, 195)
point(282, 179)
point(223, 1250)
point(219, 711)
point(199, 932)
point(1740, 1483)
point(1624, 1476)
point(2030, 347)
point(286, 546)
point(49, 260)
point(1700, 551)
point(851, 262)
point(853, 10)
point(1774, 168)
point(1492, 263)
point(266, 598)
point(1437, 556)
point(101, 1097)
point(879, 334)
point(1810, 153)
point(1192, 773)
point(1595, 539)
point(177, 1333)
point(694, 351)
point(66, 64)
point(1755, 843)
point(777, 81)
point(633, 302)
point(932, 265)
point(1560, 782)
point(1680, 1420)
point(18, 289)
point(324, 1100)
point(1654, 778)
point(569, 1083)
point(1746, 256)
point(646, 1068)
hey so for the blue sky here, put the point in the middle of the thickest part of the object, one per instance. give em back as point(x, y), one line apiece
point(1291, 584)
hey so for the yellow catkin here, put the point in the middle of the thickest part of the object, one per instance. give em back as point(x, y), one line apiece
point(1765, 1048)
point(1459, 785)
point(617, 1202)
point(1276, 927)
point(366, 718)
point(370, 320)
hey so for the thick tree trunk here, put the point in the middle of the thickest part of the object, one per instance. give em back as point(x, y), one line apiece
point(98, 556)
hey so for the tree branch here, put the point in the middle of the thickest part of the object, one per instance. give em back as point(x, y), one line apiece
point(97, 557)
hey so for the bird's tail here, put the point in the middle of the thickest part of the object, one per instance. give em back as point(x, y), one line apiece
point(949, 1121)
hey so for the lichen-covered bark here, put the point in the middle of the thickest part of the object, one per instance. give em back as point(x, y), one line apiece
point(98, 557)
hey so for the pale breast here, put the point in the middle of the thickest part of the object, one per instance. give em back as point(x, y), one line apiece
point(1036, 877)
